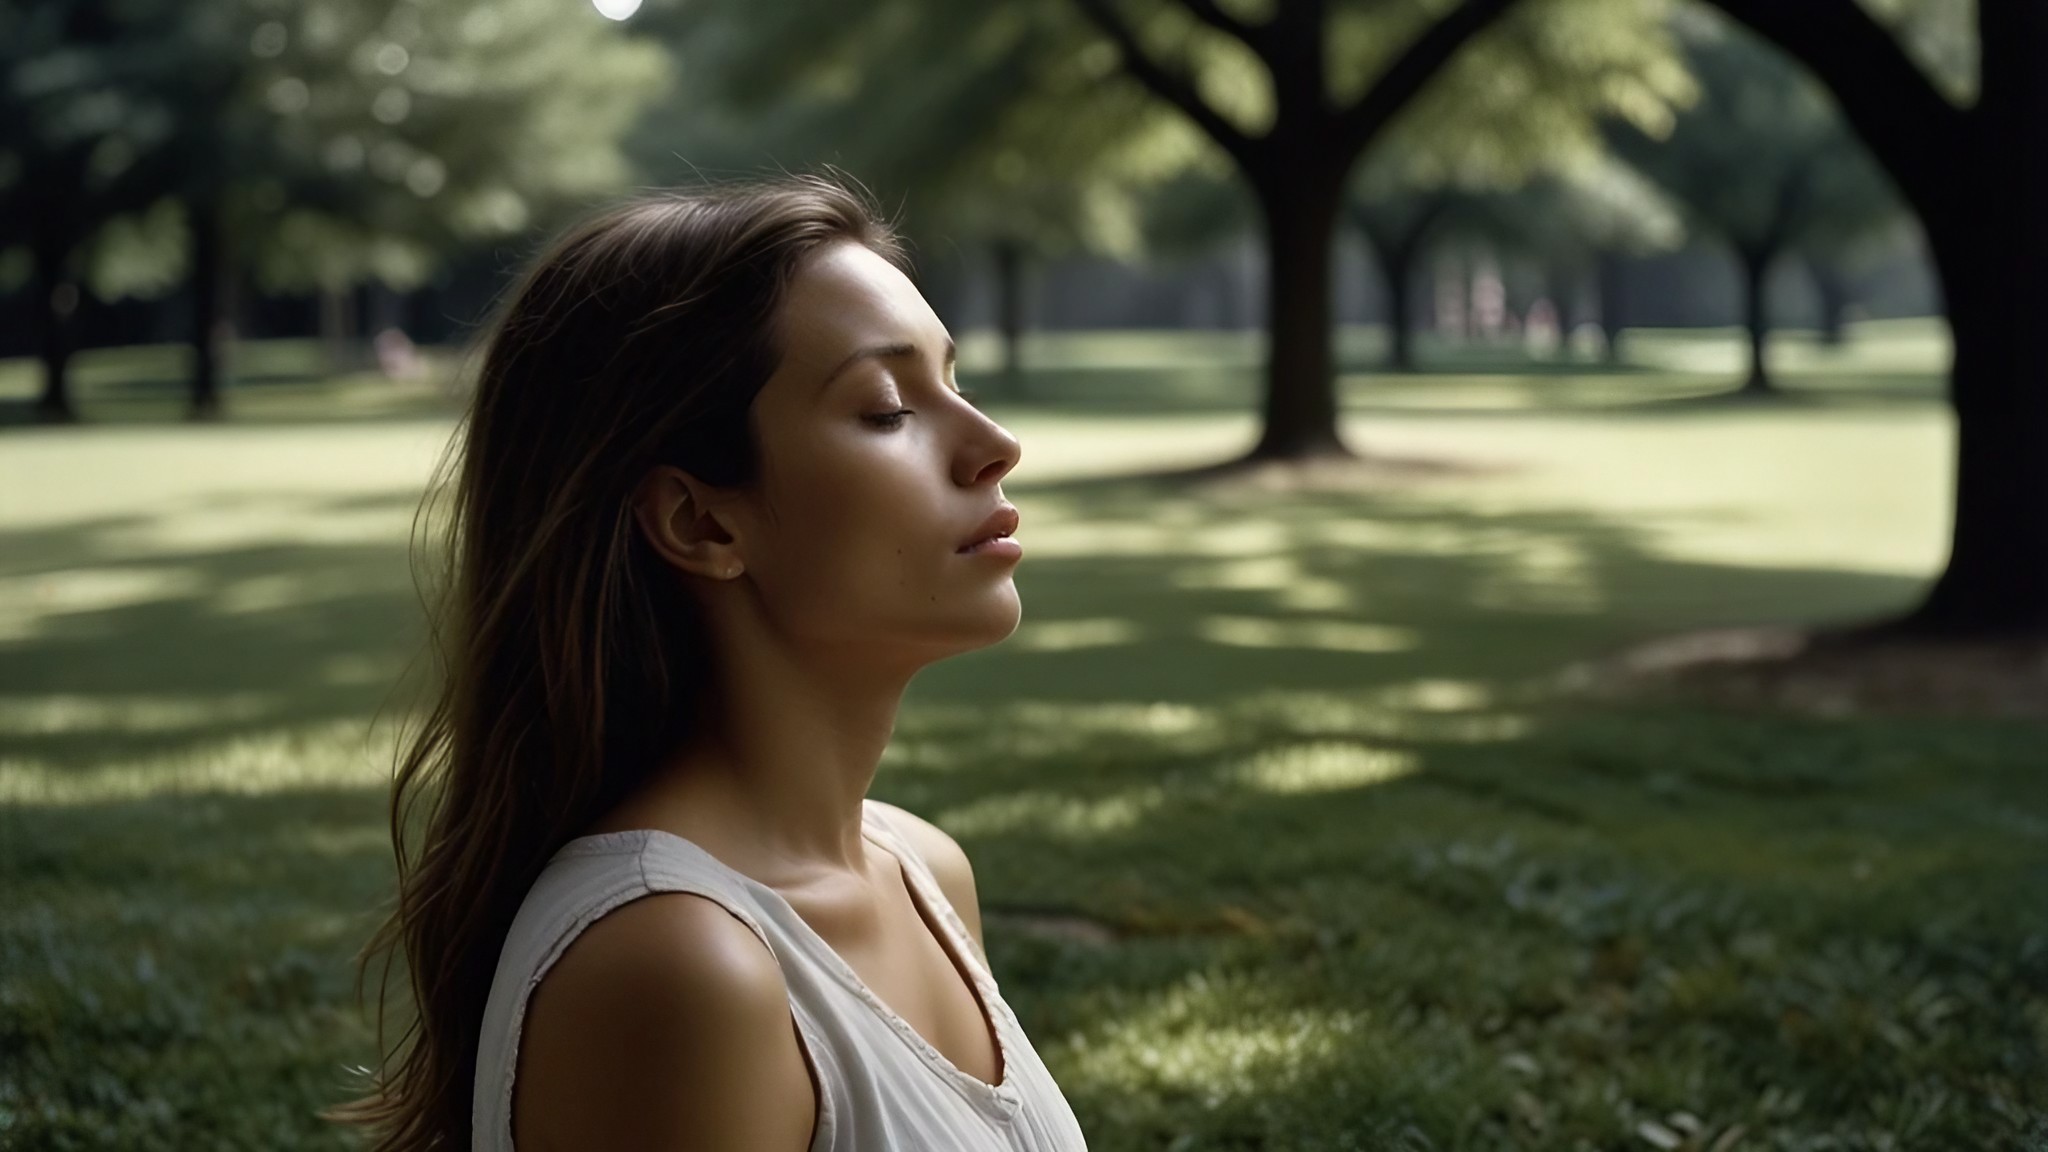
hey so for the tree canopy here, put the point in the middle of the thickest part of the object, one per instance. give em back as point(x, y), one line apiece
point(1763, 161)
point(313, 144)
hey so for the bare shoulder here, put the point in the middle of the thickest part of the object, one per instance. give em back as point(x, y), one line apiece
point(947, 860)
point(665, 1024)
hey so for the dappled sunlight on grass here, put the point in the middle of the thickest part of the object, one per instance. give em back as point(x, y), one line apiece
point(1324, 635)
point(961, 739)
point(333, 755)
point(272, 592)
point(1336, 866)
point(47, 715)
point(1913, 347)
point(1321, 767)
point(1041, 813)
point(1171, 526)
point(1550, 574)
point(1479, 392)
point(262, 482)
point(1066, 635)
point(1433, 710)
point(953, 738)
point(29, 604)
point(1202, 1036)
point(1281, 577)
point(270, 521)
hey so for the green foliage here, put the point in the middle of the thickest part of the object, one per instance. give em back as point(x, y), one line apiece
point(140, 254)
point(1009, 120)
point(396, 131)
point(989, 121)
point(1527, 97)
point(1507, 144)
point(86, 124)
point(1565, 220)
point(1764, 159)
point(1941, 35)
point(344, 141)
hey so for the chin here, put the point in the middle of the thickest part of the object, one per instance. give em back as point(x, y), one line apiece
point(992, 625)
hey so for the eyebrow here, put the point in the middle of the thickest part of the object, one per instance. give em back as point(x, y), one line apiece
point(879, 352)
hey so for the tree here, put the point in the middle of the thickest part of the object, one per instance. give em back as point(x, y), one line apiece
point(1972, 161)
point(981, 166)
point(1194, 215)
point(1575, 223)
point(1289, 97)
point(1263, 90)
point(1868, 222)
point(1069, 171)
point(1521, 103)
point(315, 145)
point(84, 136)
point(1763, 162)
point(329, 143)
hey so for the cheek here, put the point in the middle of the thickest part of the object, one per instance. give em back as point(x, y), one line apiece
point(862, 523)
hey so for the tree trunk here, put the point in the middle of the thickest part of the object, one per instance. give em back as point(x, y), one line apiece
point(1613, 302)
point(337, 329)
point(1996, 581)
point(1399, 268)
point(56, 299)
point(210, 309)
point(1976, 180)
point(1563, 283)
point(1300, 417)
point(1395, 256)
point(1009, 258)
point(1994, 272)
point(1831, 289)
point(1756, 268)
point(1229, 313)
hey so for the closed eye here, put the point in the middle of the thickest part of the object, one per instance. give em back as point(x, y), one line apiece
point(895, 419)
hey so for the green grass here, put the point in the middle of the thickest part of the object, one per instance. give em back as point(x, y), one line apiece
point(267, 382)
point(1374, 881)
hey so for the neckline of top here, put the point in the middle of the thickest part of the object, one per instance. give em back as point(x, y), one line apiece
point(1003, 1095)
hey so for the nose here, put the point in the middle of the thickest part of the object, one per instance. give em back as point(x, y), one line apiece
point(992, 455)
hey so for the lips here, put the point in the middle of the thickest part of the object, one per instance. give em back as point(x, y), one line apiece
point(1002, 522)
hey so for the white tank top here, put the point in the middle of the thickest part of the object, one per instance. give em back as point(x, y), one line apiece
point(881, 1085)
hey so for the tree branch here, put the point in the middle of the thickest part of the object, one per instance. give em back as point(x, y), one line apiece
point(1912, 129)
point(1421, 60)
point(1170, 85)
point(1212, 14)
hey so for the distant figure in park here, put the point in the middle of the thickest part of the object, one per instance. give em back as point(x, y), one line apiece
point(397, 358)
point(718, 501)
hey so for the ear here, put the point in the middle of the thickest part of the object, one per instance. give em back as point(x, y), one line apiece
point(679, 518)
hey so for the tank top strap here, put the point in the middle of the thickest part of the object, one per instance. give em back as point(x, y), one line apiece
point(665, 863)
point(886, 830)
point(585, 878)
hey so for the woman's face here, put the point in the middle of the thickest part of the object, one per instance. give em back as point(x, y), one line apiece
point(874, 472)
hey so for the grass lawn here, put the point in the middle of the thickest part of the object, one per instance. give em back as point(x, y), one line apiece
point(1286, 836)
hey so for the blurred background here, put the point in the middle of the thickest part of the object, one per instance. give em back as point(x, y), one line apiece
point(1536, 597)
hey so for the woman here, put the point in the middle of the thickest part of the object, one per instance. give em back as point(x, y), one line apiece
point(719, 500)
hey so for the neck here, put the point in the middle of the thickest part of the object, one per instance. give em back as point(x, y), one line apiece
point(776, 783)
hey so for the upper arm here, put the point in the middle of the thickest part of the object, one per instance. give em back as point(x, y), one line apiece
point(949, 865)
point(665, 1025)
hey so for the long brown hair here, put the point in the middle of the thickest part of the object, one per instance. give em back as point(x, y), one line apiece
point(569, 662)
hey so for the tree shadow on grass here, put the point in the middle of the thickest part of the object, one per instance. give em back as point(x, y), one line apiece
point(116, 653)
point(1358, 876)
